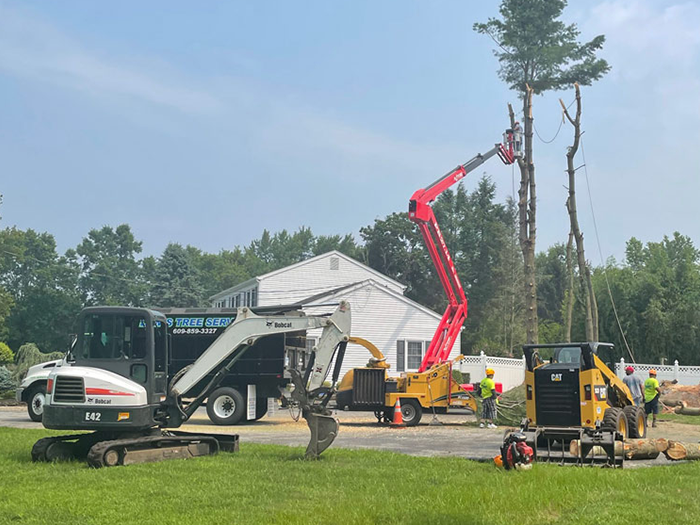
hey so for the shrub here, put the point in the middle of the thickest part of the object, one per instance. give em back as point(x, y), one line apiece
point(6, 355)
point(7, 383)
point(29, 355)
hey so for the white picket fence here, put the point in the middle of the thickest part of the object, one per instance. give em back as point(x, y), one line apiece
point(685, 375)
point(510, 372)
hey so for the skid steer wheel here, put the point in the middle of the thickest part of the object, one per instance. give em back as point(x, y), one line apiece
point(225, 406)
point(636, 419)
point(615, 419)
point(411, 411)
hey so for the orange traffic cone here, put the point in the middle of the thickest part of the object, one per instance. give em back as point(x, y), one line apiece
point(397, 421)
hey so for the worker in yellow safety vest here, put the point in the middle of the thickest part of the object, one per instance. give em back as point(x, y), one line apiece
point(489, 399)
point(652, 392)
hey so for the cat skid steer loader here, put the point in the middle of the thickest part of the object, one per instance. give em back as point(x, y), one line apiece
point(575, 396)
point(117, 386)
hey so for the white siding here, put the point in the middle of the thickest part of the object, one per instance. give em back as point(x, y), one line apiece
point(313, 277)
point(381, 318)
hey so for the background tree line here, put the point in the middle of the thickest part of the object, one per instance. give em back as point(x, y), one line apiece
point(656, 288)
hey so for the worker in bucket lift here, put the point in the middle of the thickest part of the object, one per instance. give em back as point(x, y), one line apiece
point(651, 396)
point(635, 384)
point(517, 138)
point(489, 398)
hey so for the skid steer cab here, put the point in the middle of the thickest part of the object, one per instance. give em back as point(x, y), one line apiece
point(576, 397)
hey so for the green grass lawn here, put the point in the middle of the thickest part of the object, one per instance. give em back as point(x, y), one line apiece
point(678, 418)
point(271, 485)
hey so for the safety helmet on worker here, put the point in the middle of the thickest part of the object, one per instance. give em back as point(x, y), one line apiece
point(629, 370)
point(490, 371)
point(652, 372)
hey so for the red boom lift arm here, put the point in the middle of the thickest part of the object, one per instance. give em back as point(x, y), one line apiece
point(420, 212)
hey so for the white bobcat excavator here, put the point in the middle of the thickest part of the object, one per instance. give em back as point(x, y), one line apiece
point(118, 385)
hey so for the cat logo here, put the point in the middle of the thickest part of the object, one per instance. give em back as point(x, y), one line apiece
point(556, 377)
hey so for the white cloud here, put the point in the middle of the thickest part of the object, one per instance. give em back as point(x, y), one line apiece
point(31, 47)
point(648, 38)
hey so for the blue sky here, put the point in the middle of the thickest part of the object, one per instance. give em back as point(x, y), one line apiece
point(206, 123)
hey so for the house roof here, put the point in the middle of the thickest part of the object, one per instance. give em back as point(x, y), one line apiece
point(335, 253)
point(255, 280)
point(363, 284)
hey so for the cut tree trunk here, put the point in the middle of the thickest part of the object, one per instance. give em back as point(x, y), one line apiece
point(677, 450)
point(644, 448)
point(575, 449)
point(527, 213)
point(569, 297)
point(633, 449)
point(685, 410)
point(583, 269)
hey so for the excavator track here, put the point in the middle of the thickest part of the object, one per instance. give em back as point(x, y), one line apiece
point(55, 448)
point(149, 449)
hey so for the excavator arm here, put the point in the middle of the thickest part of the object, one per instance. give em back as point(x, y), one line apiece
point(309, 391)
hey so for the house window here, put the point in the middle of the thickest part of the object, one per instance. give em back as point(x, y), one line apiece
point(400, 356)
point(414, 354)
point(254, 297)
point(247, 298)
point(335, 263)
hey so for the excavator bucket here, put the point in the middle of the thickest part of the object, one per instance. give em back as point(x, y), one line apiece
point(324, 430)
point(323, 426)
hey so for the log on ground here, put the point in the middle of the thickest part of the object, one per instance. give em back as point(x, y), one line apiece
point(644, 448)
point(597, 451)
point(678, 450)
point(686, 410)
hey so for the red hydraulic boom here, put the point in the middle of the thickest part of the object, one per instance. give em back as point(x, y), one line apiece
point(420, 212)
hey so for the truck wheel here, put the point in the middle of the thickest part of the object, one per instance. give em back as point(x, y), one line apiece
point(614, 419)
point(636, 419)
point(411, 411)
point(35, 402)
point(225, 406)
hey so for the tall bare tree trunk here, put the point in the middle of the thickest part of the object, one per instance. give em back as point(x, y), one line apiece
point(570, 296)
point(583, 269)
point(527, 215)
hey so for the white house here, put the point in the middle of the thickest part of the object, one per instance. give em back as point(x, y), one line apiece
point(399, 327)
